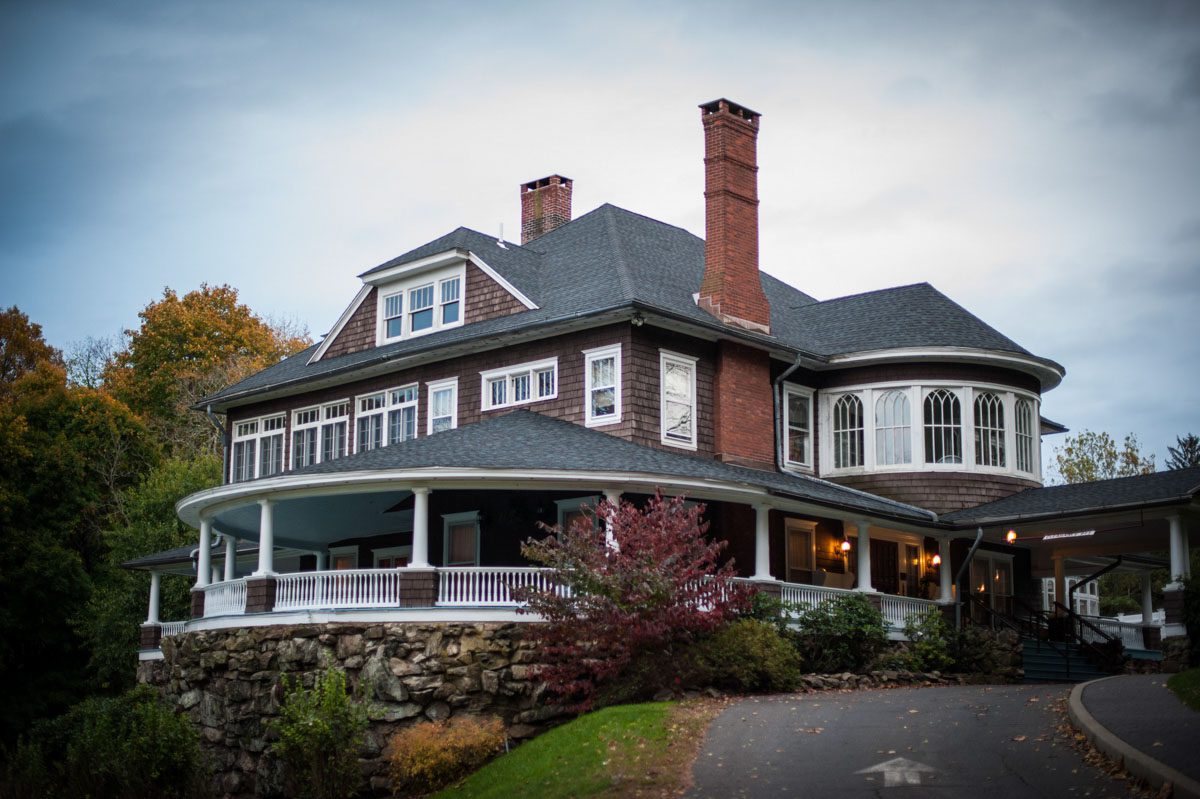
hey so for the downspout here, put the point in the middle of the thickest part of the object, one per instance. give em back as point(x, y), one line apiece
point(212, 417)
point(958, 579)
point(1088, 579)
point(778, 396)
point(215, 422)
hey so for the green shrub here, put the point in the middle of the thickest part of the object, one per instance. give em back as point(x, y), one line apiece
point(432, 754)
point(125, 747)
point(771, 610)
point(320, 737)
point(747, 655)
point(929, 642)
point(843, 634)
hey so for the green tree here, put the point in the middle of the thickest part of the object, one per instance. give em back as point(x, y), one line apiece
point(187, 348)
point(1186, 453)
point(1093, 456)
point(22, 348)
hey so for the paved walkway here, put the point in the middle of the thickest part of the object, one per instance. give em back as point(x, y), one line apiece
point(1146, 725)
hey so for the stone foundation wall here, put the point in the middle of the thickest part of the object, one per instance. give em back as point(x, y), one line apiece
point(229, 682)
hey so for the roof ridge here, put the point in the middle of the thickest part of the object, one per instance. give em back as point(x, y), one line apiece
point(619, 251)
point(884, 290)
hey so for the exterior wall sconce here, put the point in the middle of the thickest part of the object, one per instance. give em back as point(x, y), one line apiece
point(936, 561)
point(845, 545)
point(1011, 536)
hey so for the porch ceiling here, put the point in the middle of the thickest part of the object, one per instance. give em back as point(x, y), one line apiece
point(317, 520)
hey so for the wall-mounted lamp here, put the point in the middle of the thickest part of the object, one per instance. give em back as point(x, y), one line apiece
point(937, 560)
point(845, 545)
point(638, 320)
point(1011, 536)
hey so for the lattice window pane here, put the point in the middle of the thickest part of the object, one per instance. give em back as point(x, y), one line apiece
point(893, 429)
point(943, 427)
point(848, 432)
point(989, 430)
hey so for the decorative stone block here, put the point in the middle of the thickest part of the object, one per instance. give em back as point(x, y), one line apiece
point(260, 594)
point(197, 603)
point(151, 636)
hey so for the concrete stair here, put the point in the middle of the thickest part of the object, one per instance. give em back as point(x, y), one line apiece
point(1049, 665)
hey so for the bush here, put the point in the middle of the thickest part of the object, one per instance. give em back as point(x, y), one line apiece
point(843, 634)
point(771, 610)
point(929, 642)
point(125, 747)
point(320, 736)
point(432, 754)
point(747, 655)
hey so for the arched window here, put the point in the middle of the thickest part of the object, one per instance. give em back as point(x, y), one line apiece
point(1024, 435)
point(893, 429)
point(989, 430)
point(943, 427)
point(847, 432)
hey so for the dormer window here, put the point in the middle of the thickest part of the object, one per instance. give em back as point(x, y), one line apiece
point(422, 304)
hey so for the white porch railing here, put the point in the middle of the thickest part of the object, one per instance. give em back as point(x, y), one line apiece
point(345, 588)
point(487, 586)
point(171, 627)
point(225, 598)
point(810, 596)
point(1130, 634)
point(897, 609)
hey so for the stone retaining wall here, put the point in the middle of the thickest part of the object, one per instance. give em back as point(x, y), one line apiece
point(229, 682)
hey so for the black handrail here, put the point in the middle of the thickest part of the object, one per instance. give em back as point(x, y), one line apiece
point(1111, 654)
point(1034, 626)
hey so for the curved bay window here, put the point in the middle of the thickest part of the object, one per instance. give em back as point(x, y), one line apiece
point(989, 430)
point(847, 432)
point(893, 428)
point(943, 427)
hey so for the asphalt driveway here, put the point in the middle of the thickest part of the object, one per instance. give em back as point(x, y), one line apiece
point(950, 741)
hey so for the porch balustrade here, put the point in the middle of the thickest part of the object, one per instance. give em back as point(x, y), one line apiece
point(1131, 634)
point(345, 588)
point(486, 586)
point(172, 628)
point(897, 609)
point(225, 599)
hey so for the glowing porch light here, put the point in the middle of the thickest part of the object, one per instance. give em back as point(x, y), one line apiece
point(937, 560)
point(1011, 536)
point(845, 544)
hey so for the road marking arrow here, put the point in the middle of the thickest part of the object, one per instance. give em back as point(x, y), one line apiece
point(899, 771)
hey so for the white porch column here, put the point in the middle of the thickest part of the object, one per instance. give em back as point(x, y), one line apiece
point(204, 555)
point(864, 557)
point(152, 612)
point(230, 557)
point(762, 542)
point(944, 572)
point(613, 495)
point(1060, 583)
point(266, 538)
point(1147, 600)
point(322, 560)
point(420, 548)
point(1178, 555)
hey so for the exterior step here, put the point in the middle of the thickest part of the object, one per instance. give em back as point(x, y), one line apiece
point(1047, 664)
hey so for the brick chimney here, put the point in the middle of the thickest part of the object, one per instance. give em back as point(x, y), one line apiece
point(545, 205)
point(731, 289)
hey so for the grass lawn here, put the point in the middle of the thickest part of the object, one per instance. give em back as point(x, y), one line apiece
point(643, 750)
point(1186, 685)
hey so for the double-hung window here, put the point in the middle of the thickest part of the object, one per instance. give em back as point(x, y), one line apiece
point(678, 399)
point(443, 405)
point(393, 315)
point(369, 421)
point(402, 414)
point(460, 539)
point(449, 290)
point(424, 304)
point(602, 385)
point(306, 431)
point(420, 308)
point(334, 436)
point(797, 408)
point(245, 445)
point(270, 446)
point(517, 385)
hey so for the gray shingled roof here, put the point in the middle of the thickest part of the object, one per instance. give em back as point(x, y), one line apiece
point(180, 555)
point(611, 258)
point(1176, 486)
point(530, 441)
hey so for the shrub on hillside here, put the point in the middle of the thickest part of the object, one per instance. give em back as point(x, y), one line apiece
point(930, 641)
point(320, 737)
point(124, 747)
point(843, 634)
point(747, 656)
point(431, 755)
point(648, 588)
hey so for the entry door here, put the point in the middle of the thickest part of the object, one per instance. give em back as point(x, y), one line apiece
point(885, 566)
point(799, 553)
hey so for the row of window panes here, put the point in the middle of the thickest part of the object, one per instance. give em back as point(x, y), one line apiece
point(257, 449)
point(422, 314)
point(520, 384)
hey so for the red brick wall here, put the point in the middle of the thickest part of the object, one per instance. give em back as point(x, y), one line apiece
point(940, 492)
point(743, 414)
point(731, 285)
point(545, 205)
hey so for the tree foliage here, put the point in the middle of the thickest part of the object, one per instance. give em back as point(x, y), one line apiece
point(321, 734)
point(657, 585)
point(1186, 452)
point(1093, 456)
point(22, 348)
point(187, 348)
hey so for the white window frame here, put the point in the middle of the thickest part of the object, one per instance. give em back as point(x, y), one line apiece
point(331, 421)
point(665, 357)
point(568, 506)
point(389, 552)
point(397, 406)
point(349, 549)
point(436, 279)
point(450, 520)
point(431, 389)
point(876, 396)
point(259, 435)
point(361, 415)
point(598, 354)
point(297, 427)
point(509, 375)
point(809, 394)
point(852, 434)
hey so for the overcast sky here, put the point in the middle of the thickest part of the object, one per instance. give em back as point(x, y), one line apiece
point(1037, 162)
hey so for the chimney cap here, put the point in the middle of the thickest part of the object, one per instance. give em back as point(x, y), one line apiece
point(728, 106)
point(542, 183)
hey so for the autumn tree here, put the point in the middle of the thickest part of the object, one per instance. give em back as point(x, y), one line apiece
point(1186, 452)
point(21, 348)
point(1093, 456)
point(644, 588)
point(187, 348)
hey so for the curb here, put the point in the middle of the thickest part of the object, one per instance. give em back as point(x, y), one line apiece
point(1135, 761)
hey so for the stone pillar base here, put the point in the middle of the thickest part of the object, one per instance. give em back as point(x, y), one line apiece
point(1152, 637)
point(197, 603)
point(875, 598)
point(150, 636)
point(418, 588)
point(260, 594)
point(1175, 651)
point(1173, 604)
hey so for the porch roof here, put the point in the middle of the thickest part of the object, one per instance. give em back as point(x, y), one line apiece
point(1175, 487)
point(525, 441)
